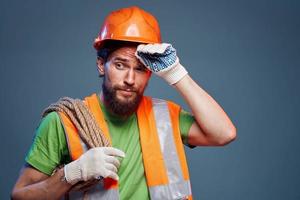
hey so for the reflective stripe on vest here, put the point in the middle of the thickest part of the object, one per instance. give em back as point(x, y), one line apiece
point(177, 186)
point(163, 154)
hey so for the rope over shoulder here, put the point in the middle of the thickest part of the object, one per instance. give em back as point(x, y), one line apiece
point(87, 126)
point(83, 120)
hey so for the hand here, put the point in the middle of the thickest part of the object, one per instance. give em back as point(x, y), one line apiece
point(162, 60)
point(96, 162)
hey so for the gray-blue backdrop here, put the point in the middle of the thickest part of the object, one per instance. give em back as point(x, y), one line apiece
point(246, 54)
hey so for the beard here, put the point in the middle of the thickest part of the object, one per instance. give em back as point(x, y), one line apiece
point(120, 107)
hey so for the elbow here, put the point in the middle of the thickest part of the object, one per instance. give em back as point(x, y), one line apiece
point(227, 137)
point(14, 195)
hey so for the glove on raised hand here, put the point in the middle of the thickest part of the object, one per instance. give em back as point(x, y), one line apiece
point(96, 162)
point(162, 60)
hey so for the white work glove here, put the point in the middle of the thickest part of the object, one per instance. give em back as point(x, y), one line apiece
point(162, 60)
point(96, 163)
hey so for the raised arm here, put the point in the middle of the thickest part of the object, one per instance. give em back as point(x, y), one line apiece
point(212, 127)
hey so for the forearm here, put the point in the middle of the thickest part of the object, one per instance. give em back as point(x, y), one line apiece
point(53, 187)
point(210, 117)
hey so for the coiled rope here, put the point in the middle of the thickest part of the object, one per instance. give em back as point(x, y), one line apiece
point(87, 127)
point(83, 120)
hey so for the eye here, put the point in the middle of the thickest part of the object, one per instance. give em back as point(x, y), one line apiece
point(141, 69)
point(119, 65)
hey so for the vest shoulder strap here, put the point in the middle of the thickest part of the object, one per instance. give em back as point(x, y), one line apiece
point(72, 136)
point(94, 106)
point(152, 155)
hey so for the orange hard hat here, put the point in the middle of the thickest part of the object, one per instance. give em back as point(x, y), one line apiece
point(131, 24)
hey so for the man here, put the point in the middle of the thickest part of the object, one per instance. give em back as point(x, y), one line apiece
point(146, 160)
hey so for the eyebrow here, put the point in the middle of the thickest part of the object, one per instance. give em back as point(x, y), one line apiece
point(120, 59)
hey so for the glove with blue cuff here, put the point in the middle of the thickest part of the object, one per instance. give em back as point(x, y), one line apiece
point(162, 60)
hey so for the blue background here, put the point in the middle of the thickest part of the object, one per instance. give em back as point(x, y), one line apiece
point(246, 54)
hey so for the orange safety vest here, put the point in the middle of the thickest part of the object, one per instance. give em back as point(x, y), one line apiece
point(163, 154)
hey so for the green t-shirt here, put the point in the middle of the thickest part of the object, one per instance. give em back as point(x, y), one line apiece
point(50, 149)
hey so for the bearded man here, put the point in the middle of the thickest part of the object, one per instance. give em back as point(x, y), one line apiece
point(120, 144)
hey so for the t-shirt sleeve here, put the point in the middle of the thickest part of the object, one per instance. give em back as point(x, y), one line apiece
point(49, 148)
point(185, 122)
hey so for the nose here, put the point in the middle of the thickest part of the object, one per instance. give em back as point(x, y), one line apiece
point(130, 77)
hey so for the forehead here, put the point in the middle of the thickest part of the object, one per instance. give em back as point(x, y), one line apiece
point(127, 52)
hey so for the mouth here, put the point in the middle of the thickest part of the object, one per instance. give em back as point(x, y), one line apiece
point(127, 92)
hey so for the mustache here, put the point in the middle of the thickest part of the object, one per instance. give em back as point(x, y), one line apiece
point(126, 88)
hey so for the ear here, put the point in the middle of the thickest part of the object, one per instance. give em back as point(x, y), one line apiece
point(100, 66)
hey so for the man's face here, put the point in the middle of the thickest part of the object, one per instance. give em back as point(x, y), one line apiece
point(125, 79)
